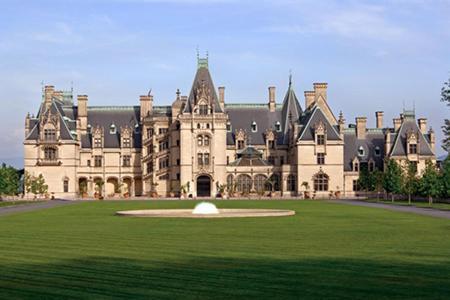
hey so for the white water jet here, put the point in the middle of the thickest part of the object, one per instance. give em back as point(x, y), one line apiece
point(205, 208)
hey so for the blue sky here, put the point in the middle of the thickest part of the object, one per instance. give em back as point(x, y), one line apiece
point(375, 55)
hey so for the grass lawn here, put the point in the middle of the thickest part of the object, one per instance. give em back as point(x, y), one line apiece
point(327, 250)
point(441, 206)
point(19, 202)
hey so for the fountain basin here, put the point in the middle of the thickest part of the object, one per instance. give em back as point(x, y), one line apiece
point(222, 213)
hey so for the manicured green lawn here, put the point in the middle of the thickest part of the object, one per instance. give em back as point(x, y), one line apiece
point(326, 251)
point(19, 202)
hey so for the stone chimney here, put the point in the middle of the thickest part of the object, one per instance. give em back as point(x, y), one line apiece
point(432, 139)
point(320, 89)
point(341, 123)
point(387, 143)
point(27, 124)
point(361, 127)
point(422, 122)
point(272, 104)
point(82, 112)
point(309, 99)
point(222, 97)
point(146, 105)
point(49, 90)
point(379, 116)
point(397, 123)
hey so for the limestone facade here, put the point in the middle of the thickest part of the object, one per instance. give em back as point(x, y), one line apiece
point(202, 146)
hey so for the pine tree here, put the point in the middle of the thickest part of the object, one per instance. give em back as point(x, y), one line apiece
point(430, 184)
point(392, 181)
point(445, 97)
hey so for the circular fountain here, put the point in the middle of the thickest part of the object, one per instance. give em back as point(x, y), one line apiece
point(205, 210)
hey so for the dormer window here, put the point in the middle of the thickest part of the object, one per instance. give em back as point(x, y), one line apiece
point(240, 144)
point(49, 135)
point(112, 129)
point(371, 166)
point(271, 144)
point(254, 127)
point(377, 151)
point(356, 165)
point(89, 128)
point(278, 126)
point(97, 142)
point(412, 148)
point(126, 143)
point(228, 127)
point(203, 109)
point(361, 151)
point(320, 139)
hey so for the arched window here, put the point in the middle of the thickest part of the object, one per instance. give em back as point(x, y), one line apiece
point(321, 182)
point(112, 129)
point(278, 126)
point(275, 181)
point(260, 182)
point(50, 153)
point(361, 151)
point(291, 183)
point(203, 109)
point(66, 185)
point(254, 127)
point(244, 184)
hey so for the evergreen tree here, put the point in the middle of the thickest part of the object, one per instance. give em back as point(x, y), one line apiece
point(445, 178)
point(430, 184)
point(445, 97)
point(392, 181)
point(410, 181)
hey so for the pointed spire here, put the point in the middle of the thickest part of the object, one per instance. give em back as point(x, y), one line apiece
point(290, 78)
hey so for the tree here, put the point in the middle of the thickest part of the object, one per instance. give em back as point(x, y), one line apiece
point(445, 97)
point(410, 181)
point(445, 178)
point(429, 184)
point(392, 181)
point(38, 186)
point(9, 180)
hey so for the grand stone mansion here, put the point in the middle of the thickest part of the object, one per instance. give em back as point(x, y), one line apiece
point(201, 144)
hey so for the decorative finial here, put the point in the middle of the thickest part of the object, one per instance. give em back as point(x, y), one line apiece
point(178, 94)
point(290, 77)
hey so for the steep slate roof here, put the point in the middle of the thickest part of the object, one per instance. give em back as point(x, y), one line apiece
point(202, 75)
point(374, 138)
point(291, 111)
point(249, 156)
point(120, 116)
point(67, 124)
point(399, 148)
point(242, 116)
point(310, 118)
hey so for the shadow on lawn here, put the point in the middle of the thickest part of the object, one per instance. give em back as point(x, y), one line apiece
point(203, 277)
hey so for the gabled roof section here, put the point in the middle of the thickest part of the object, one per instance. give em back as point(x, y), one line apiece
point(313, 117)
point(203, 77)
point(399, 148)
point(291, 110)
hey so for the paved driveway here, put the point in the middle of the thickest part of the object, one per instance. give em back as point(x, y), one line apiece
point(6, 210)
point(410, 209)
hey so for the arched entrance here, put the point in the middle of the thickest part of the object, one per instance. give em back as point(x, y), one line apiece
point(203, 186)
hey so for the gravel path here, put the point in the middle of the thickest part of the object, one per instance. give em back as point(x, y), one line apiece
point(410, 209)
point(6, 210)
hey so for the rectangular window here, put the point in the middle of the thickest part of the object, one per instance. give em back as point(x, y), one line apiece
point(206, 159)
point(355, 185)
point(126, 143)
point(66, 186)
point(127, 160)
point(149, 132)
point(163, 145)
point(98, 160)
point(49, 134)
point(203, 109)
point(228, 160)
point(178, 176)
point(320, 158)
point(206, 141)
point(163, 163)
point(178, 162)
point(412, 148)
point(178, 143)
point(240, 144)
point(97, 142)
point(320, 139)
point(88, 162)
point(200, 159)
point(149, 149)
point(163, 130)
point(271, 144)
point(149, 167)
point(50, 153)
point(271, 160)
